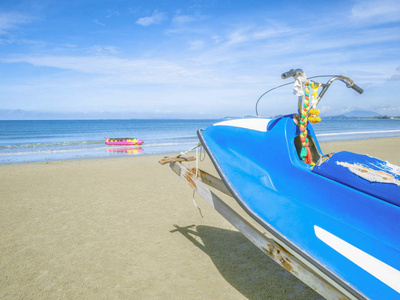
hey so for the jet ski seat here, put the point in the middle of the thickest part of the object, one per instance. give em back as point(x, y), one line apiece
point(367, 174)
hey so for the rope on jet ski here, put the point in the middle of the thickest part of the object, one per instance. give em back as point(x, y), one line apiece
point(199, 148)
point(305, 153)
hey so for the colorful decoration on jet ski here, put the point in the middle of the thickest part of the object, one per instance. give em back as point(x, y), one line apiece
point(313, 117)
point(305, 153)
point(314, 112)
point(310, 115)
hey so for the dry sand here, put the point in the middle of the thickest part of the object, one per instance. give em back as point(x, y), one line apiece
point(107, 229)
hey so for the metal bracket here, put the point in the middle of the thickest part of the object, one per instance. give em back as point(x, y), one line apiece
point(267, 242)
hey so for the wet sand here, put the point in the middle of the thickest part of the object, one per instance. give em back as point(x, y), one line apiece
point(126, 228)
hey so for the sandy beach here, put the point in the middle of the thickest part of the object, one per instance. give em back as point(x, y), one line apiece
point(126, 228)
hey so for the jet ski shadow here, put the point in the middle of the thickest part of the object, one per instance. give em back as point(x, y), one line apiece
point(244, 266)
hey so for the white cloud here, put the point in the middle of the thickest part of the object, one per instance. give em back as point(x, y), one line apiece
point(196, 45)
point(156, 18)
point(238, 36)
point(258, 33)
point(390, 111)
point(103, 50)
point(396, 75)
point(376, 12)
point(182, 19)
point(97, 22)
point(9, 21)
point(112, 13)
point(113, 69)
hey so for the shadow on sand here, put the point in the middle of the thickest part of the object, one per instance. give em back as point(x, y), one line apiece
point(244, 266)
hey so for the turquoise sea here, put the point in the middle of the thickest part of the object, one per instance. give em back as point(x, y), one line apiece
point(29, 141)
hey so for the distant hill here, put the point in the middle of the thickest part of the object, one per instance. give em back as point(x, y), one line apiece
point(362, 114)
point(356, 114)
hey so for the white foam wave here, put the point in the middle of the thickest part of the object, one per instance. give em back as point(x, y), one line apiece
point(357, 132)
point(37, 145)
point(59, 151)
point(51, 151)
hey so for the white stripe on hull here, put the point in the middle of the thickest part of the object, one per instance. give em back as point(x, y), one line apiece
point(257, 124)
point(382, 271)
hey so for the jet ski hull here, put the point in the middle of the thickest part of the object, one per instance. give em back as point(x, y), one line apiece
point(351, 235)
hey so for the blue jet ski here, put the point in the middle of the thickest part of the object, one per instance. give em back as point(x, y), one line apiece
point(340, 211)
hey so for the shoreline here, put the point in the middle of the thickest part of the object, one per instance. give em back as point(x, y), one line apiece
point(126, 227)
point(368, 144)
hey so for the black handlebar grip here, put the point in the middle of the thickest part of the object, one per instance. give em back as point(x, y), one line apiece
point(357, 88)
point(288, 74)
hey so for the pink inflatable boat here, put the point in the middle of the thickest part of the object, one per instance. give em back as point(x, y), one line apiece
point(123, 141)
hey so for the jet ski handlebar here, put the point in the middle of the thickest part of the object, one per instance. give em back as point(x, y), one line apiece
point(349, 83)
point(357, 89)
point(292, 73)
point(300, 73)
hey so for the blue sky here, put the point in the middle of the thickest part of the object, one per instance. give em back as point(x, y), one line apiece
point(192, 59)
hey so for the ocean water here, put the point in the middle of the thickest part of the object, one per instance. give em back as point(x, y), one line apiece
point(30, 141)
